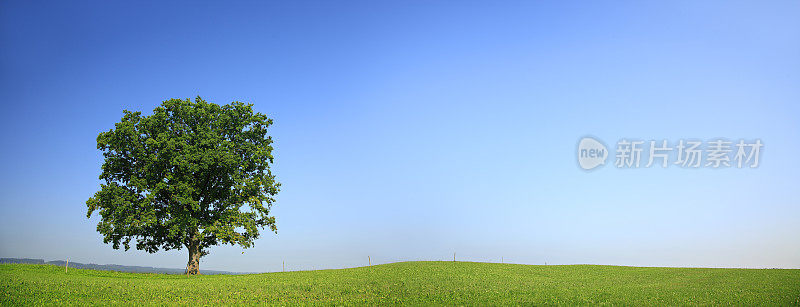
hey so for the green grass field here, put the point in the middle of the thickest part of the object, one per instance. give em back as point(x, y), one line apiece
point(412, 283)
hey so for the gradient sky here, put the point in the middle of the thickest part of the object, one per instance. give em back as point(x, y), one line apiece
point(411, 130)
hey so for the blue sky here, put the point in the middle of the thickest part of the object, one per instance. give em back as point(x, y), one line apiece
point(412, 130)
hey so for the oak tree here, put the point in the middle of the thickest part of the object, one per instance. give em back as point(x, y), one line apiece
point(193, 174)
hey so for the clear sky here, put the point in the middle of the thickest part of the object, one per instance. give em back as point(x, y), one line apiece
point(411, 130)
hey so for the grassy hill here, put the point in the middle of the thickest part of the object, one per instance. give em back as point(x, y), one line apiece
point(409, 283)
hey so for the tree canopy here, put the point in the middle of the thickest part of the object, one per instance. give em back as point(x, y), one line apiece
point(193, 174)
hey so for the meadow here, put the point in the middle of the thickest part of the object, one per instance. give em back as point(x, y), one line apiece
point(411, 283)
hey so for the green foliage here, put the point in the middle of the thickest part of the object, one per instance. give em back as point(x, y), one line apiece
point(411, 283)
point(192, 174)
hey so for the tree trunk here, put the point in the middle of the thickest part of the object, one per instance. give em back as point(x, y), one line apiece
point(193, 267)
